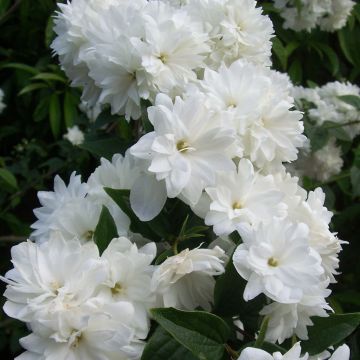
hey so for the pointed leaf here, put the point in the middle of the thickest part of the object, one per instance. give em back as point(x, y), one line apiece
point(105, 230)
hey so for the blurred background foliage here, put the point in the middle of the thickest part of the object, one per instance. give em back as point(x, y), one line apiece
point(41, 105)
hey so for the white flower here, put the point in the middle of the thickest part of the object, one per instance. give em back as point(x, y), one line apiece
point(52, 277)
point(317, 217)
point(289, 319)
point(2, 105)
point(173, 48)
point(52, 201)
point(329, 15)
point(255, 102)
point(74, 135)
point(186, 147)
point(129, 277)
point(108, 335)
point(185, 281)
point(276, 260)
point(237, 29)
point(322, 164)
point(242, 197)
point(294, 353)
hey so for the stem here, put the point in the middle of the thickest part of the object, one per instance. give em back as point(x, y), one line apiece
point(333, 179)
point(10, 11)
point(175, 245)
point(263, 328)
point(12, 239)
point(293, 340)
point(341, 125)
point(233, 354)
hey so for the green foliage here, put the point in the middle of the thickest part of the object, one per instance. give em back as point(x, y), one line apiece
point(105, 230)
point(202, 333)
point(330, 331)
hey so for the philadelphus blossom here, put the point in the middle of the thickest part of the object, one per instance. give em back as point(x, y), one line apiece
point(186, 148)
point(294, 353)
point(74, 135)
point(185, 281)
point(288, 319)
point(121, 51)
point(223, 129)
point(237, 30)
point(325, 105)
point(321, 164)
point(329, 15)
point(276, 260)
point(242, 197)
point(101, 311)
point(256, 103)
point(2, 105)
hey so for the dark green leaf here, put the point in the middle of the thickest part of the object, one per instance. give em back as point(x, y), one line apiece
point(355, 180)
point(50, 77)
point(105, 230)
point(32, 87)
point(204, 334)
point(229, 301)
point(105, 146)
point(162, 346)
point(329, 331)
point(8, 178)
point(55, 115)
point(295, 71)
point(70, 109)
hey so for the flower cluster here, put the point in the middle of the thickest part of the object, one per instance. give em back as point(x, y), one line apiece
point(324, 105)
point(223, 126)
point(79, 304)
point(329, 15)
point(122, 51)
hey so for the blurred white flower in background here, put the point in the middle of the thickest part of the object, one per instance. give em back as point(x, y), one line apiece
point(2, 104)
point(74, 135)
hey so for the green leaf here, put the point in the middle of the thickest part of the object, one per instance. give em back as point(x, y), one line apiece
point(42, 109)
point(162, 346)
point(229, 301)
point(349, 43)
point(55, 115)
point(105, 146)
point(318, 135)
point(31, 88)
point(202, 333)
point(105, 230)
point(295, 71)
point(331, 55)
point(70, 109)
point(49, 31)
point(23, 67)
point(9, 178)
point(329, 331)
point(355, 180)
point(280, 52)
point(351, 100)
point(45, 76)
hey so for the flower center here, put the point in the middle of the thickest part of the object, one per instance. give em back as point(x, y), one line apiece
point(183, 146)
point(117, 289)
point(89, 235)
point(77, 336)
point(163, 58)
point(273, 262)
point(237, 205)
